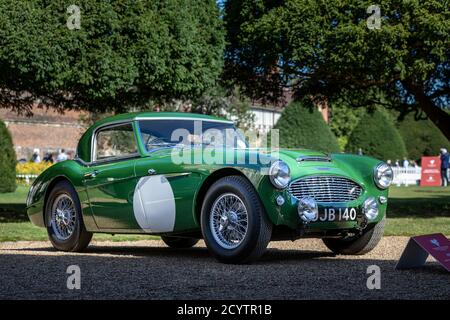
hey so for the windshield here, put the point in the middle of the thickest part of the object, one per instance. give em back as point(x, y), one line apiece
point(187, 133)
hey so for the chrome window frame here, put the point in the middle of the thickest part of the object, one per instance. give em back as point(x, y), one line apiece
point(183, 118)
point(97, 130)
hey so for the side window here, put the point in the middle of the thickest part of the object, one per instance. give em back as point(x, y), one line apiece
point(115, 142)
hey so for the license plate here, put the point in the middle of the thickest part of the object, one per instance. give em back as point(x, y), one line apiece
point(337, 214)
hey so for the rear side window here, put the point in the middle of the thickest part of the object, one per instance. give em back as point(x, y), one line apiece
point(115, 142)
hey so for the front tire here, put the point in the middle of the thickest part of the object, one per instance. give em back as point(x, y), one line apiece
point(358, 245)
point(179, 242)
point(65, 226)
point(234, 223)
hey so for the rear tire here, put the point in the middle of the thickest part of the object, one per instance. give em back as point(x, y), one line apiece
point(65, 226)
point(358, 245)
point(179, 242)
point(234, 224)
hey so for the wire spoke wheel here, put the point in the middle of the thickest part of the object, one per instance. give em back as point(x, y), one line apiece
point(228, 221)
point(63, 217)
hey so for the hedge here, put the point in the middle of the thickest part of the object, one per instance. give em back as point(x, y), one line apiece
point(7, 161)
point(421, 137)
point(303, 127)
point(377, 136)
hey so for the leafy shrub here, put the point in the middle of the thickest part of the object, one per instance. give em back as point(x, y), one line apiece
point(343, 120)
point(7, 161)
point(377, 136)
point(303, 127)
point(421, 137)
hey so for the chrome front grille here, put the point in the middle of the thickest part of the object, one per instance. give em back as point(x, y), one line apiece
point(326, 189)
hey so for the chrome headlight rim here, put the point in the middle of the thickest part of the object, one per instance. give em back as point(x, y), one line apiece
point(379, 173)
point(277, 180)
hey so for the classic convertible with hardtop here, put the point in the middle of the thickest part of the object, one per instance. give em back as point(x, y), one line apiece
point(147, 173)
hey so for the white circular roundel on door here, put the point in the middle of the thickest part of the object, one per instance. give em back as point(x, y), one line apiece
point(154, 204)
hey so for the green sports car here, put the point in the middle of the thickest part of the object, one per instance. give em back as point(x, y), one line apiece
point(187, 177)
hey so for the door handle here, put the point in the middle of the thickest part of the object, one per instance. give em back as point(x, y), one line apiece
point(151, 171)
point(90, 175)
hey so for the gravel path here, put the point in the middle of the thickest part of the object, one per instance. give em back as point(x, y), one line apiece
point(303, 269)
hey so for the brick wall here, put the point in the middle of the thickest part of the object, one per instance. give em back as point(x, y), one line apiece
point(47, 131)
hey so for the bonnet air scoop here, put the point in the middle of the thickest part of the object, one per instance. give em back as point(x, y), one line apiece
point(313, 158)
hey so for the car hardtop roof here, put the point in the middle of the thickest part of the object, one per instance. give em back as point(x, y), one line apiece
point(84, 144)
point(159, 115)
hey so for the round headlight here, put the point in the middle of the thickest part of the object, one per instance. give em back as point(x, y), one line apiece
point(279, 174)
point(383, 175)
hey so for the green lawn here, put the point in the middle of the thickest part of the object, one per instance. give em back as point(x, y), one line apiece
point(411, 211)
point(25, 231)
point(412, 226)
point(418, 210)
point(419, 201)
point(19, 197)
point(12, 205)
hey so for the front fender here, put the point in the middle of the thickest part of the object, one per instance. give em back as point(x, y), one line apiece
point(70, 171)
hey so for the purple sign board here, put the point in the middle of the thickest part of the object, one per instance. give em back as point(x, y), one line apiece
point(419, 247)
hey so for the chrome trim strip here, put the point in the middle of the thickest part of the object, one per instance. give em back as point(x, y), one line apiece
point(185, 118)
point(314, 158)
point(173, 175)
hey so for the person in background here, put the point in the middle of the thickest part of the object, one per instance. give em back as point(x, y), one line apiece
point(48, 157)
point(62, 156)
point(405, 163)
point(415, 164)
point(389, 162)
point(397, 163)
point(445, 165)
point(36, 158)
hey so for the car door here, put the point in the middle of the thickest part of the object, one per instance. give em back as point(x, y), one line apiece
point(111, 180)
point(165, 193)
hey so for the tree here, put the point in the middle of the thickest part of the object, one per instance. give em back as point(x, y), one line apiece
point(376, 136)
point(225, 103)
point(219, 101)
point(7, 161)
point(124, 54)
point(326, 48)
point(421, 137)
point(302, 126)
point(343, 120)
